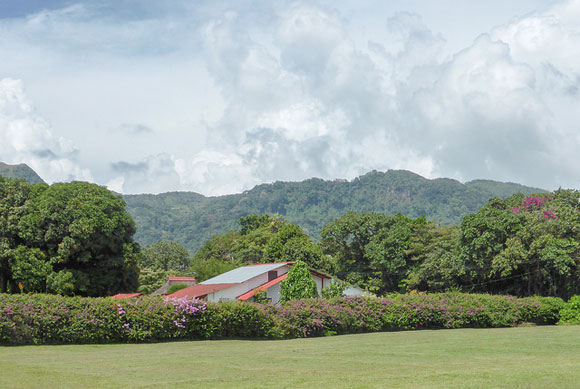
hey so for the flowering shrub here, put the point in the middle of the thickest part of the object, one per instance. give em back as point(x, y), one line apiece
point(348, 315)
point(51, 319)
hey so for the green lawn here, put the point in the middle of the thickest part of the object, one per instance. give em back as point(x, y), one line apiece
point(547, 357)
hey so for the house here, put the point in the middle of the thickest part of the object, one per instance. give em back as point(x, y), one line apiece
point(189, 281)
point(244, 282)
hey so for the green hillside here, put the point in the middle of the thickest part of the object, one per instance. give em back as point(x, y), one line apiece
point(20, 171)
point(191, 218)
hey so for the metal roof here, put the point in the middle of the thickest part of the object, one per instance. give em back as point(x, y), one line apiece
point(244, 273)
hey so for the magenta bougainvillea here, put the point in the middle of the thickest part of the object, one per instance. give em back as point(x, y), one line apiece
point(534, 203)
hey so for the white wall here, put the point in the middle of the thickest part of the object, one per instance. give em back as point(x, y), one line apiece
point(234, 291)
point(272, 293)
point(353, 291)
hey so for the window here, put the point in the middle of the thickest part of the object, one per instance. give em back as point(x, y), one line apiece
point(272, 275)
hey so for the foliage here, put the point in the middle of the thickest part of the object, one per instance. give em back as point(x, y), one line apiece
point(53, 319)
point(334, 289)
point(570, 312)
point(165, 256)
point(298, 284)
point(192, 219)
point(261, 297)
point(523, 245)
point(71, 238)
point(318, 317)
point(204, 269)
point(262, 239)
point(438, 265)
point(152, 279)
point(373, 250)
point(175, 287)
point(236, 248)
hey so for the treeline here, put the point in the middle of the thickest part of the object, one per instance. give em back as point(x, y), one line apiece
point(77, 239)
point(523, 245)
point(191, 219)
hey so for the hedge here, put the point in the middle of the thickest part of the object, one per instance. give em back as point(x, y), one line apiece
point(52, 319)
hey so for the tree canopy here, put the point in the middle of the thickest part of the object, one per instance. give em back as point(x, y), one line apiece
point(73, 238)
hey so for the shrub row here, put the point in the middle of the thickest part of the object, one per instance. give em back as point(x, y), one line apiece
point(51, 319)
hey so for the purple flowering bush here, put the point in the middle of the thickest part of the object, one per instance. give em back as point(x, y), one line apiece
point(52, 319)
point(347, 315)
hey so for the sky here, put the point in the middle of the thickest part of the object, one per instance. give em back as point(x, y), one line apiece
point(215, 97)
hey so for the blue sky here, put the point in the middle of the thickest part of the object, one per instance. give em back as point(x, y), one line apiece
point(148, 96)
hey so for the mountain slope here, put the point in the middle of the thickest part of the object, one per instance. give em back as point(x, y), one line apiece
point(20, 171)
point(191, 218)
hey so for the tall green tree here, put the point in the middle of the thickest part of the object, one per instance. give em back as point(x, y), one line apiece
point(83, 230)
point(524, 245)
point(372, 250)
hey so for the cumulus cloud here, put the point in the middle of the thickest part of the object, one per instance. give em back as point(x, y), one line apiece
point(26, 137)
point(300, 94)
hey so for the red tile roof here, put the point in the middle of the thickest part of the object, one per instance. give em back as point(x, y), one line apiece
point(121, 296)
point(199, 290)
point(182, 279)
point(252, 293)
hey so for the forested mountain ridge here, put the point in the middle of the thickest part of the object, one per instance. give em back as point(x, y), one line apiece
point(190, 218)
point(20, 171)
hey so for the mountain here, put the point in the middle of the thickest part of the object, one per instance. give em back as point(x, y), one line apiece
point(20, 171)
point(191, 218)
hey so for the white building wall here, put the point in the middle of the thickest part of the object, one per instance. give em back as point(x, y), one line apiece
point(273, 293)
point(353, 291)
point(234, 291)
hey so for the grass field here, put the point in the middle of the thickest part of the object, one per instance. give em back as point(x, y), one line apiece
point(547, 357)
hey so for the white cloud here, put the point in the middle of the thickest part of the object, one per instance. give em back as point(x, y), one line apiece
point(26, 137)
point(216, 98)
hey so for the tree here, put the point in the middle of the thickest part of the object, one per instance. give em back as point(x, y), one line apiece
point(82, 229)
point(372, 250)
point(166, 256)
point(255, 221)
point(298, 284)
point(439, 265)
point(15, 194)
point(524, 245)
point(152, 279)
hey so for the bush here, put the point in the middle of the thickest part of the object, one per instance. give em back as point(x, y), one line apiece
point(570, 312)
point(52, 319)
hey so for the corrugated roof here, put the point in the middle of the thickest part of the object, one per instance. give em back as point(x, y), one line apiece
point(252, 293)
point(244, 273)
point(198, 290)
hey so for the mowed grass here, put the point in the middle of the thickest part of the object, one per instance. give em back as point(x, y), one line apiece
point(546, 357)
